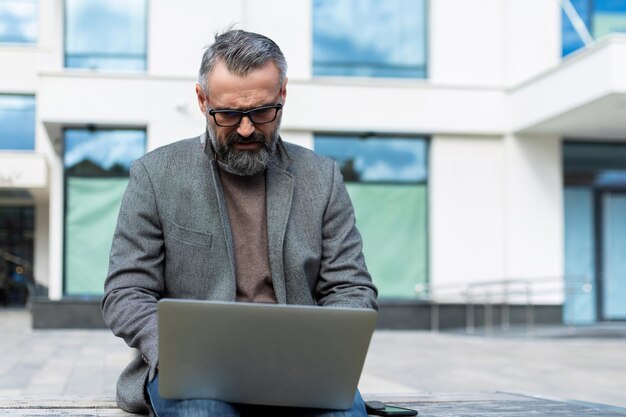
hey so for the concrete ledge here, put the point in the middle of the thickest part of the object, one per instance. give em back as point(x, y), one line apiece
point(422, 315)
point(67, 313)
point(60, 406)
point(490, 404)
point(85, 313)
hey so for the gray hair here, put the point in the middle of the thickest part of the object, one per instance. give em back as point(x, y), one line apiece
point(242, 52)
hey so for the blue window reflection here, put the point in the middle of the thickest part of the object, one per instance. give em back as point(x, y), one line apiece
point(98, 153)
point(609, 17)
point(571, 41)
point(17, 122)
point(377, 159)
point(369, 38)
point(18, 21)
point(601, 18)
point(106, 34)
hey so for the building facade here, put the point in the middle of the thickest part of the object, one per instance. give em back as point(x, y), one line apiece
point(483, 143)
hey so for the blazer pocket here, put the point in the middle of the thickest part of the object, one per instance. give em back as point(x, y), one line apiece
point(193, 237)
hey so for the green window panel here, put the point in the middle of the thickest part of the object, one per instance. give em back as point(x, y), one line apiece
point(91, 215)
point(392, 222)
point(96, 175)
point(386, 177)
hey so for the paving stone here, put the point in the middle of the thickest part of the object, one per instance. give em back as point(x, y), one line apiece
point(583, 368)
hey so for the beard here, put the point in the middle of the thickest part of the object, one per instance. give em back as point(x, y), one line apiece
point(244, 162)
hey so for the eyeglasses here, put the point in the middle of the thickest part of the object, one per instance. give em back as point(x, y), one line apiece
point(258, 116)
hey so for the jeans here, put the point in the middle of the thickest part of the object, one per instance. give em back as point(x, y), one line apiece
point(209, 408)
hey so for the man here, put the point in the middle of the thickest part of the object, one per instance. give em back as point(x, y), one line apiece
point(233, 215)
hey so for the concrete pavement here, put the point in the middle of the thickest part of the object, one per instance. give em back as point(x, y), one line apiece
point(54, 363)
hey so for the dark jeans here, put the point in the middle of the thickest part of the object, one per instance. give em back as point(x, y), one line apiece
point(208, 408)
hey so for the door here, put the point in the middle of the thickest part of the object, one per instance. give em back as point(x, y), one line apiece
point(613, 255)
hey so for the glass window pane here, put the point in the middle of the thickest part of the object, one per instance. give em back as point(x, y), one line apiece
point(609, 17)
point(102, 152)
point(392, 221)
point(386, 179)
point(91, 215)
point(369, 38)
point(376, 159)
point(17, 122)
point(18, 21)
point(570, 39)
point(96, 174)
point(580, 266)
point(106, 34)
point(614, 253)
point(601, 18)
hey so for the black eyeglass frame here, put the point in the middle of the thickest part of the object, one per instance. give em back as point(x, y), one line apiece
point(248, 113)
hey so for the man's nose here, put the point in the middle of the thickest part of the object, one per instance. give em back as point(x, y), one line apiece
point(246, 127)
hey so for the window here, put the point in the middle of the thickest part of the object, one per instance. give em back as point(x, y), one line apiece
point(387, 181)
point(96, 174)
point(595, 230)
point(106, 34)
point(17, 122)
point(18, 21)
point(369, 38)
point(600, 16)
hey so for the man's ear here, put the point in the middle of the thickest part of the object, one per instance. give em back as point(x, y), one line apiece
point(202, 99)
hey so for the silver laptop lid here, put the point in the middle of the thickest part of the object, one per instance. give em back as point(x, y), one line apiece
point(266, 354)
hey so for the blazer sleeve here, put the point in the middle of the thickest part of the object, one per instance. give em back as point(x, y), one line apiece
point(343, 278)
point(135, 280)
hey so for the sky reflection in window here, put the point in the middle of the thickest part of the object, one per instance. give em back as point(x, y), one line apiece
point(601, 17)
point(106, 34)
point(377, 159)
point(18, 21)
point(102, 152)
point(17, 122)
point(369, 38)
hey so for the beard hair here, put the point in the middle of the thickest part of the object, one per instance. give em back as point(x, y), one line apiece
point(244, 162)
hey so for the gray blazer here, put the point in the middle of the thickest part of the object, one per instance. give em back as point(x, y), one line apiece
point(173, 240)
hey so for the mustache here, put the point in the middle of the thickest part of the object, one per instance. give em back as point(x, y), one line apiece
point(235, 137)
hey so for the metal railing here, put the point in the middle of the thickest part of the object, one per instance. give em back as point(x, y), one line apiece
point(503, 293)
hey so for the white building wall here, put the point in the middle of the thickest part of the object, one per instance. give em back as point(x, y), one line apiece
point(534, 212)
point(466, 42)
point(532, 38)
point(289, 24)
point(178, 32)
point(467, 229)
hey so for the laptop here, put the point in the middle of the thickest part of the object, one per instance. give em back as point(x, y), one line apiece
point(265, 354)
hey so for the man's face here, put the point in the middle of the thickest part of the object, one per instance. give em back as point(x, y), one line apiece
point(246, 148)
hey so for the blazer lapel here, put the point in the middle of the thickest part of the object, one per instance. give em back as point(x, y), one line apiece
point(229, 287)
point(279, 191)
